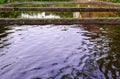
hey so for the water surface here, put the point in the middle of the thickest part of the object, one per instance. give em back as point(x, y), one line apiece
point(59, 52)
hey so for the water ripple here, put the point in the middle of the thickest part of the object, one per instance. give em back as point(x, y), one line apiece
point(56, 52)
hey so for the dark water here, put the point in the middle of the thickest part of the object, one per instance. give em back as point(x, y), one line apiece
point(59, 52)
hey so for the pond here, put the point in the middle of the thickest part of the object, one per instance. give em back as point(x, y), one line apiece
point(59, 51)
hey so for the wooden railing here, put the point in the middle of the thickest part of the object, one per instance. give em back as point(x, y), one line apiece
point(110, 21)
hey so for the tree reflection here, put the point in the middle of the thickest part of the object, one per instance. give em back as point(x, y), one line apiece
point(110, 65)
point(3, 34)
point(108, 58)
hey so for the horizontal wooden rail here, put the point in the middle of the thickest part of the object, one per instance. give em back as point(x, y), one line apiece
point(81, 2)
point(51, 9)
point(39, 3)
point(114, 21)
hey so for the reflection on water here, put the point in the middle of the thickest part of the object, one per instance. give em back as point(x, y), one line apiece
point(59, 52)
point(3, 40)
